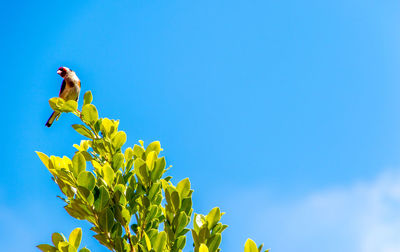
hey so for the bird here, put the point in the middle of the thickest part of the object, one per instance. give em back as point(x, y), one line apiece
point(70, 89)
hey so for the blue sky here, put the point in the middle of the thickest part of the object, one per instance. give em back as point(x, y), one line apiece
point(283, 113)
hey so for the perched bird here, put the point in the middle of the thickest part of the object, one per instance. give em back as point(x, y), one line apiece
point(70, 88)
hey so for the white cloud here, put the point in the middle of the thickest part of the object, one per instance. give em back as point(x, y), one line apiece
point(362, 217)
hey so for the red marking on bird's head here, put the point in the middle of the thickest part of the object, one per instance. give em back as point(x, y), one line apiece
point(62, 71)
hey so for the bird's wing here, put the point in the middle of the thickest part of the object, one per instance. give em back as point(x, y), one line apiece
point(62, 87)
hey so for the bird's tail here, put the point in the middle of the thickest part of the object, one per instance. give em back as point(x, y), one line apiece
point(53, 116)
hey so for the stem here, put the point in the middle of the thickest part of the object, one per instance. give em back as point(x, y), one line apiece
point(128, 232)
point(94, 131)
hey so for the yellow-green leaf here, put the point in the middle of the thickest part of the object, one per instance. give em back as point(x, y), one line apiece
point(148, 243)
point(102, 200)
point(87, 98)
point(213, 217)
point(89, 114)
point(78, 164)
point(158, 169)
point(86, 179)
point(108, 174)
point(126, 215)
point(128, 154)
point(63, 246)
point(75, 237)
point(45, 159)
point(176, 201)
point(119, 139)
point(160, 241)
point(203, 248)
point(107, 126)
point(250, 246)
point(69, 106)
point(214, 242)
point(56, 103)
point(106, 220)
point(183, 188)
point(83, 130)
point(150, 160)
point(56, 238)
point(46, 248)
point(154, 146)
point(118, 161)
point(138, 151)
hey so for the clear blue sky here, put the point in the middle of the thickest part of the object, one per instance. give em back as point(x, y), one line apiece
point(283, 113)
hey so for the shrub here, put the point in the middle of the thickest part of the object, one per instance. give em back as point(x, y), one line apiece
point(125, 196)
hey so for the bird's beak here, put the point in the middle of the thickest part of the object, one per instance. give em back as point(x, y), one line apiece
point(59, 72)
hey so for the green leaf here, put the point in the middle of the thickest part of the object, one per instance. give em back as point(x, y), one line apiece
point(154, 146)
point(64, 247)
point(196, 239)
point(128, 154)
point(84, 250)
point(118, 140)
point(88, 195)
point(56, 103)
point(67, 163)
point(86, 179)
point(138, 151)
point(116, 231)
point(118, 161)
point(213, 243)
point(250, 246)
point(108, 175)
point(204, 233)
point(213, 217)
point(56, 238)
point(126, 216)
point(69, 106)
point(155, 188)
point(87, 98)
point(83, 130)
point(78, 164)
point(160, 242)
point(187, 206)
point(183, 188)
point(74, 213)
point(107, 127)
point(150, 160)
point(182, 221)
point(102, 199)
point(75, 237)
point(89, 114)
point(101, 238)
point(45, 159)
point(97, 125)
point(141, 171)
point(203, 248)
point(176, 201)
point(46, 248)
point(158, 169)
point(106, 220)
point(119, 194)
point(148, 243)
point(180, 242)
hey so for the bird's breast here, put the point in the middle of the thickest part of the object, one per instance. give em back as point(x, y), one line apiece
point(71, 92)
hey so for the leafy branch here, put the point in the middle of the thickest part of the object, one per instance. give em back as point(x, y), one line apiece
point(121, 193)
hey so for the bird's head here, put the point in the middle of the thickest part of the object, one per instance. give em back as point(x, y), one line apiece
point(62, 71)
